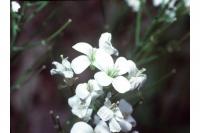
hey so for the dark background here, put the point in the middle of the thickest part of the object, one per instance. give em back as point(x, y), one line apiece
point(166, 104)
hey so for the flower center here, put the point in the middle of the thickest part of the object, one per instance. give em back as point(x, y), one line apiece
point(112, 72)
point(92, 55)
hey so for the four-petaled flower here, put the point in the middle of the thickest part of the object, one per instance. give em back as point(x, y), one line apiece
point(112, 73)
point(80, 107)
point(89, 90)
point(111, 113)
point(80, 63)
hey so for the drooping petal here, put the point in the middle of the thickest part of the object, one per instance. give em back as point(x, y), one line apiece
point(131, 120)
point(137, 82)
point(103, 79)
point(81, 127)
point(82, 91)
point(105, 113)
point(66, 63)
point(121, 65)
point(125, 125)
point(80, 63)
point(106, 45)
point(74, 101)
point(132, 69)
point(103, 61)
point(125, 107)
point(83, 47)
point(121, 84)
point(101, 128)
point(114, 126)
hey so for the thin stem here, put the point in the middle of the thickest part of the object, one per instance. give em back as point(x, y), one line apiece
point(26, 77)
point(55, 34)
point(138, 27)
point(56, 122)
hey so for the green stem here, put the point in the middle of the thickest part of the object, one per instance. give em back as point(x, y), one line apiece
point(138, 28)
point(55, 34)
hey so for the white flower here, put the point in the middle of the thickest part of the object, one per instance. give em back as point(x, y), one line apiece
point(80, 107)
point(111, 113)
point(170, 12)
point(111, 73)
point(15, 6)
point(127, 110)
point(82, 127)
point(134, 4)
point(80, 63)
point(63, 68)
point(106, 45)
point(89, 90)
point(136, 77)
point(160, 2)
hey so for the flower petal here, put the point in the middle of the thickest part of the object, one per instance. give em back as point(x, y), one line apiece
point(80, 63)
point(105, 113)
point(114, 126)
point(103, 61)
point(83, 47)
point(125, 107)
point(95, 86)
point(102, 78)
point(121, 84)
point(101, 128)
point(137, 82)
point(74, 101)
point(82, 90)
point(106, 45)
point(81, 127)
point(125, 125)
point(132, 69)
point(121, 65)
point(59, 66)
point(88, 114)
point(68, 74)
point(131, 120)
point(118, 113)
point(66, 63)
point(79, 112)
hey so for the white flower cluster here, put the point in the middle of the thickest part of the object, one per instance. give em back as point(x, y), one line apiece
point(170, 11)
point(123, 75)
point(15, 6)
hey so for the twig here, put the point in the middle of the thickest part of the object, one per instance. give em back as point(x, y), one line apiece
point(56, 121)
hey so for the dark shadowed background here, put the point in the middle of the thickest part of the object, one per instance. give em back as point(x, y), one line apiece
point(166, 104)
